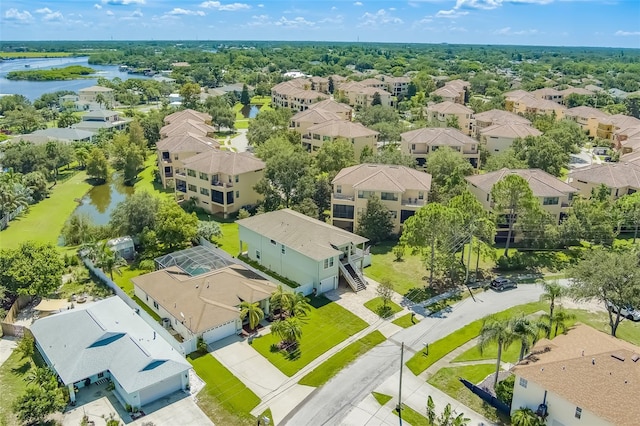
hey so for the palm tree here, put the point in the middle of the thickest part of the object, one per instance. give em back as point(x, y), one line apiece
point(253, 311)
point(560, 318)
point(289, 330)
point(552, 291)
point(299, 305)
point(108, 260)
point(525, 417)
point(40, 376)
point(281, 300)
point(526, 331)
point(12, 197)
point(499, 332)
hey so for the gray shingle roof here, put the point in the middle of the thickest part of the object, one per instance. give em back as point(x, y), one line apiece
point(614, 175)
point(107, 335)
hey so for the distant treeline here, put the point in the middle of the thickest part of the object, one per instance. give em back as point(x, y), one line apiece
point(67, 73)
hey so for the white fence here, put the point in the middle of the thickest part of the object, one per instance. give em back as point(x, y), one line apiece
point(4, 220)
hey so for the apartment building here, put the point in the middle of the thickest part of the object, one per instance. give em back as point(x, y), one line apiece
point(397, 86)
point(173, 150)
point(360, 95)
point(359, 135)
point(444, 113)
point(455, 91)
point(496, 116)
point(620, 178)
point(295, 94)
point(420, 143)
point(588, 118)
point(499, 137)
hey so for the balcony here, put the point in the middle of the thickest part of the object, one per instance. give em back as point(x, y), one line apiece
point(180, 173)
point(343, 197)
point(166, 160)
point(221, 184)
point(413, 202)
point(168, 174)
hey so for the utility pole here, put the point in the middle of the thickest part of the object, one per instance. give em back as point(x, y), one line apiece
point(399, 407)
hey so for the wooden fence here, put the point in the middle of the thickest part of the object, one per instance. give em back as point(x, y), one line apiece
point(9, 328)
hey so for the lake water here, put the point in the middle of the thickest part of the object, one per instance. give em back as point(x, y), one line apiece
point(102, 199)
point(250, 111)
point(34, 89)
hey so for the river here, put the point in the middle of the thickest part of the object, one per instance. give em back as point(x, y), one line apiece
point(34, 89)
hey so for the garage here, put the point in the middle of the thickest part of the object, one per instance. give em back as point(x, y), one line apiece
point(158, 390)
point(219, 332)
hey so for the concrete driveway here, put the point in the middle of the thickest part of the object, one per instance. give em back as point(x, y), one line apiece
point(7, 345)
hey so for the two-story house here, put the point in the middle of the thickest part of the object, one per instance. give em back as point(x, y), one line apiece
point(187, 126)
point(93, 94)
point(445, 113)
point(620, 178)
point(310, 252)
point(173, 150)
point(499, 137)
point(397, 86)
point(420, 143)
point(221, 181)
point(358, 135)
point(549, 94)
point(587, 118)
point(360, 95)
point(456, 91)
point(295, 94)
point(496, 116)
point(401, 189)
point(187, 114)
point(98, 119)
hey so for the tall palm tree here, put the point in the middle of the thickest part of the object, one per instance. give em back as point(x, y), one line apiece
point(281, 300)
point(299, 305)
point(289, 330)
point(560, 318)
point(553, 292)
point(526, 331)
point(108, 260)
point(525, 417)
point(253, 311)
point(499, 332)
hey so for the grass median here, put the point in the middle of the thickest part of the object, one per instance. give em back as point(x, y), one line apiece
point(332, 366)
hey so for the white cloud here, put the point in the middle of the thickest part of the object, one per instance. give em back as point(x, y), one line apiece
point(381, 17)
point(627, 33)
point(338, 19)
point(358, 3)
point(510, 32)
point(109, 13)
point(296, 22)
point(334, 8)
point(14, 14)
point(180, 11)
point(484, 5)
point(97, 6)
point(458, 29)
point(261, 5)
point(44, 10)
point(451, 14)
point(230, 7)
point(122, 2)
point(425, 20)
point(53, 16)
point(137, 14)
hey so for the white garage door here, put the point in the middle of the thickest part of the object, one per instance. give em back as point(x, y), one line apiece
point(165, 387)
point(220, 332)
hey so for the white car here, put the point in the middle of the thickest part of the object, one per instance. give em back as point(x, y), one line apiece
point(625, 311)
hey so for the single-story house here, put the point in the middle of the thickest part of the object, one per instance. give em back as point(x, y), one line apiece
point(107, 340)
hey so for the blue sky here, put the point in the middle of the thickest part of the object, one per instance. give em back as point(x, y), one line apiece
point(614, 23)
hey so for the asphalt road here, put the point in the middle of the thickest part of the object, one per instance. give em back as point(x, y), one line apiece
point(332, 402)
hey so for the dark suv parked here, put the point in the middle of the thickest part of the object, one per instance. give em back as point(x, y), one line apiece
point(502, 283)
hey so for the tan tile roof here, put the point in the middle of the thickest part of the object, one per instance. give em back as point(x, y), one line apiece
point(372, 82)
point(187, 142)
point(330, 105)
point(227, 162)
point(448, 107)
point(311, 237)
point(614, 175)
point(315, 116)
point(458, 84)
point(342, 129)
point(576, 91)
point(496, 116)
point(188, 125)
point(187, 114)
point(397, 79)
point(516, 94)
point(95, 89)
point(586, 112)
point(447, 92)
point(545, 91)
point(542, 184)
point(545, 104)
point(381, 177)
point(438, 136)
point(581, 368)
point(628, 131)
point(510, 130)
point(622, 121)
point(208, 300)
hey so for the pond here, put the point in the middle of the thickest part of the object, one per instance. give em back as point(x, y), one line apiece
point(100, 201)
point(250, 111)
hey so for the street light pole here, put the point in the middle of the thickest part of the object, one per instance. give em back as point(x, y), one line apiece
point(399, 407)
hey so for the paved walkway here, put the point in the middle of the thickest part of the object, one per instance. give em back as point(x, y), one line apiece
point(7, 345)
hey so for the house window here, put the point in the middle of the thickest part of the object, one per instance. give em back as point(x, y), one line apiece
point(155, 305)
point(204, 176)
point(339, 189)
point(578, 412)
point(342, 212)
point(488, 195)
point(282, 250)
point(193, 188)
point(413, 147)
point(175, 157)
point(550, 201)
point(237, 178)
point(191, 173)
point(237, 194)
point(257, 254)
point(273, 242)
point(316, 136)
point(204, 191)
point(523, 382)
point(328, 263)
point(100, 375)
point(420, 195)
point(389, 196)
point(365, 194)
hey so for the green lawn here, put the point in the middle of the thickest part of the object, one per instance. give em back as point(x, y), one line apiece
point(412, 417)
point(230, 240)
point(381, 397)
point(123, 280)
point(44, 220)
point(325, 371)
point(405, 321)
point(12, 383)
point(510, 355)
point(225, 399)
point(419, 362)
point(261, 100)
point(15, 55)
point(326, 325)
point(375, 306)
point(447, 381)
point(146, 179)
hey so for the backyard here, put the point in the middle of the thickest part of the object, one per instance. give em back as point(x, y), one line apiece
point(12, 384)
point(326, 325)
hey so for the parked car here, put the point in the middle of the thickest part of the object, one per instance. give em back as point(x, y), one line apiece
point(503, 283)
point(625, 311)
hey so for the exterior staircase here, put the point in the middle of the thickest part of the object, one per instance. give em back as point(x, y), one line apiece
point(354, 278)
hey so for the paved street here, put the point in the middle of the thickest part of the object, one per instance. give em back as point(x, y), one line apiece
point(333, 403)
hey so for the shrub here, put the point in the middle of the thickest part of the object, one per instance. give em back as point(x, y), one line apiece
point(504, 390)
point(147, 265)
point(398, 252)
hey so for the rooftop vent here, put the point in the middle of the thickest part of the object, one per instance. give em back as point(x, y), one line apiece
point(618, 357)
point(635, 357)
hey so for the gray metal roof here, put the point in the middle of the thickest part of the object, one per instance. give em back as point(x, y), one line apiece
point(107, 335)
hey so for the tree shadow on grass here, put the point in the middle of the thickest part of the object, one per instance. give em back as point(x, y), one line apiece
point(22, 370)
point(319, 301)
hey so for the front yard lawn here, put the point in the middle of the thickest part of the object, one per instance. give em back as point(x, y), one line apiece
point(375, 306)
point(447, 380)
point(326, 325)
point(12, 384)
point(225, 399)
point(381, 397)
point(325, 371)
point(405, 321)
point(412, 417)
point(510, 355)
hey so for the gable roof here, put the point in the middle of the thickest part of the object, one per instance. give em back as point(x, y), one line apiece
point(383, 177)
point(510, 130)
point(576, 91)
point(330, 105)
point(187, 142)
point(585, 112)
point(227, 162)
point(496, 116)
point(100, 113)
point(107, 335)
point(67, 134)
point(310, 237)
point(186, 126)
point(614, 175)
point(342, 128)
point(207, 300)
point(448, 107)
point(590, 369)
point(438, 136)
point(314, 116)
point(187, 114)
point(95, 89)
point(542, 184)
